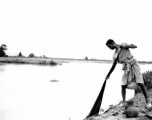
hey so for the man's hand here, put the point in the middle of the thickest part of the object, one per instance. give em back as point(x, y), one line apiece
point(126, 46)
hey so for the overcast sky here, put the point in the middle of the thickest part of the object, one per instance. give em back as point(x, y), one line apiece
point(75, 28)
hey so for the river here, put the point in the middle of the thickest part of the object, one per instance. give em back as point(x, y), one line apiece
point(63, 92)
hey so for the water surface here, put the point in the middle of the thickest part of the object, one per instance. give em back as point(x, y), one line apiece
point(28, 93)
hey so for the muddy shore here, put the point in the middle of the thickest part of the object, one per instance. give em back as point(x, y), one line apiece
point(116, 112)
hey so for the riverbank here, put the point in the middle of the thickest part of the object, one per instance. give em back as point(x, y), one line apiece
point(53, 61)
point(116, 112)
point(25, 60)
point(46, 60)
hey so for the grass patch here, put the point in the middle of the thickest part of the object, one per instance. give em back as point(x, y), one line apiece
point(24, 60)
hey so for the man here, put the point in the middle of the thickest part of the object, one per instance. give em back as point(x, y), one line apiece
point(132, 76)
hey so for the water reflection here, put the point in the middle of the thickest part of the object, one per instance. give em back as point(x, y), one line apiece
point(54, 80)
point(1, 69)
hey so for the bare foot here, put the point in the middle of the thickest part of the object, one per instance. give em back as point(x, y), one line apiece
point(123, 104)
point(149, 104)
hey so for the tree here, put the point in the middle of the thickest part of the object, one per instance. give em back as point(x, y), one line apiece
point(3, 47)
point(31, 55)
point(20, 54)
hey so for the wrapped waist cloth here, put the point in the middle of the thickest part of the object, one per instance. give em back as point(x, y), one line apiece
point(127, 64)
point(132, 72)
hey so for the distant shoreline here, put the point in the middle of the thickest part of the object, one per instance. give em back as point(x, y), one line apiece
point(92, 60)
point(26, 60)
point(54, 61)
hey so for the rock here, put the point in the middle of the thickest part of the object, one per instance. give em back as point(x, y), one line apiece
point(149, 115)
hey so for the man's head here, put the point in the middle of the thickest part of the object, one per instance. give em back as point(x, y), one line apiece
point(111, 44)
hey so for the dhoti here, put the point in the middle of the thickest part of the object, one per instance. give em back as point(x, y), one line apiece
point(132, 72)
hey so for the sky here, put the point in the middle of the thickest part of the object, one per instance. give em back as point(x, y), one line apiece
point(75, 28)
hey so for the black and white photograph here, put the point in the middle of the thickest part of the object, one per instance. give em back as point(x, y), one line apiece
point(75, 60)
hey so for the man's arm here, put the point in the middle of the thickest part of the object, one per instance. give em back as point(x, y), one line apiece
point(112, 68)
point(126, 46)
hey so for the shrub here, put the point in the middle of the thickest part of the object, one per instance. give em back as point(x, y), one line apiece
point(31, 55)
point(53, 62)
point(147, 77)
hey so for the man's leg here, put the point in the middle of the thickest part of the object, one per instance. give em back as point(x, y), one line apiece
point(123, 92)
point(142, 86)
